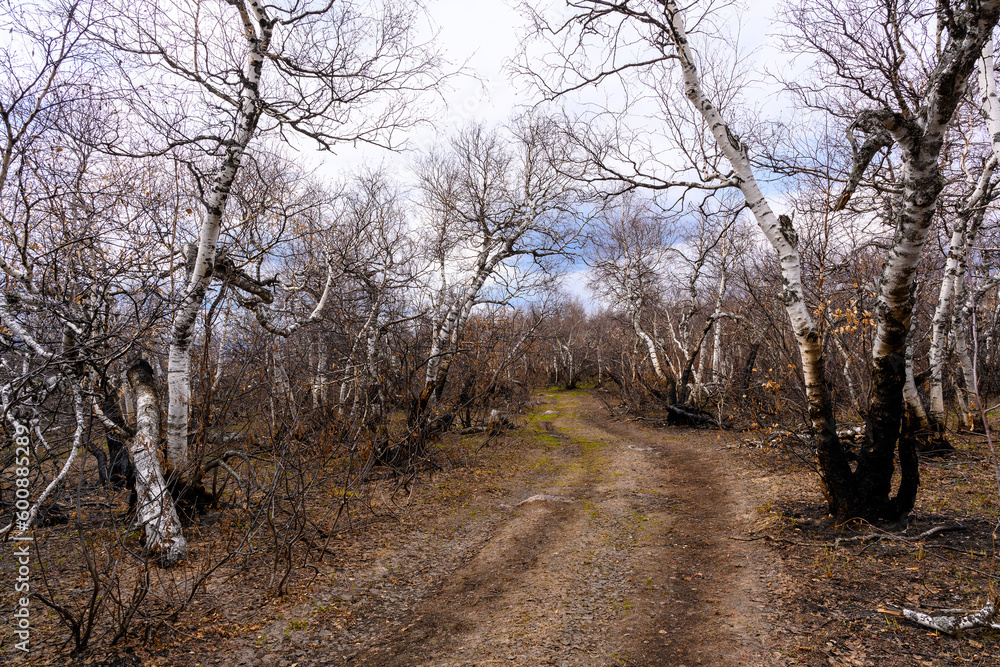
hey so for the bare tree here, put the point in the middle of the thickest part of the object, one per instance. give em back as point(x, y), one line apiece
point(500, 208)
point(908, 108)
point(630, 248)
point(203, 81)
point(80, 293)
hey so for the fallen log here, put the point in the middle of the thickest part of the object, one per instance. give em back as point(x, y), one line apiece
point(954, 624)
point(690, 415)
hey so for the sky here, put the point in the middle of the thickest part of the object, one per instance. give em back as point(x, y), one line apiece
point(478, 38)
point(482, 37)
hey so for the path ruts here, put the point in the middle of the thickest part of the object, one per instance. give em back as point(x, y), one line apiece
point(624, 559)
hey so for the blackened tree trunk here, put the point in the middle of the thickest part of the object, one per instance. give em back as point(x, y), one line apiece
point(920, 137)
point(121, 473)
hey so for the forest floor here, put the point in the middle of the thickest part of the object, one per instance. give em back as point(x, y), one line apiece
point(582, 539)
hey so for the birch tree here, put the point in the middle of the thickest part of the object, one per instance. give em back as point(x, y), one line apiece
point(964, 231)
point(630, 247)
point(375, 260)
point(888, 109)
point(701, 253)
point(75, 247)
point(499, 208)
point(205, 81)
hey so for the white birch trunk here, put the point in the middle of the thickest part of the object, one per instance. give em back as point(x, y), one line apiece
point(155, 508)
point(970, 406)
point(848, 375)
point(939, 323)
point(720, 296)
point(450, 328)
point(651, 351)
point(700, 373)
point(778, 231)
point(568, 354)
point(221, 357)
point(344, 393)
point(258, 35)
point(717, 374)
point(955, 625)
point(910, 393)
point(961, 235)
point(320, 384)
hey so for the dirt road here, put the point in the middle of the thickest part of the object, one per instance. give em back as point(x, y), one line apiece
point(607, 543)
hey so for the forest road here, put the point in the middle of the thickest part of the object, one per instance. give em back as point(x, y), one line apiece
point(616, 550)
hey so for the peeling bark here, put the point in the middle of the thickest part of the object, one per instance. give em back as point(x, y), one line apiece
point(955, 625)
point(155, 507)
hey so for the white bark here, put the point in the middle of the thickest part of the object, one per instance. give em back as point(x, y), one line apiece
point(964, 296)
point(451, 325)
point(717, 320)
point(717, 314)
point(261, 313)
point(343, 394)
point(699, 374)
point(491, 204)
point(940, 321)
point(910, 394)
point(962, 235)
point(221, 357)
point(954, 625)
point(319, 384)
point(155, 508)
point(654, 356)
point(258, 35)
point(990, 96)
point(778, 231)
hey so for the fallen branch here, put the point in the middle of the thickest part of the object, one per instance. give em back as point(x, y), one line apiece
point(857, 539)
point(541, 498)
point(875, 537)
point(952, 625)
point(690, 415)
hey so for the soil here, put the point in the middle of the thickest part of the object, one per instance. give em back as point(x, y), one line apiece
point(614, 551)
point(585, 539)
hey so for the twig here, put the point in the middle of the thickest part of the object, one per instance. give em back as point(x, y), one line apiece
point(858, 539)
point(875, 537)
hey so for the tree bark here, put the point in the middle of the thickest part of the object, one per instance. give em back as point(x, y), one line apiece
point(651, 351)
point(155, 507)
point(258, 35)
